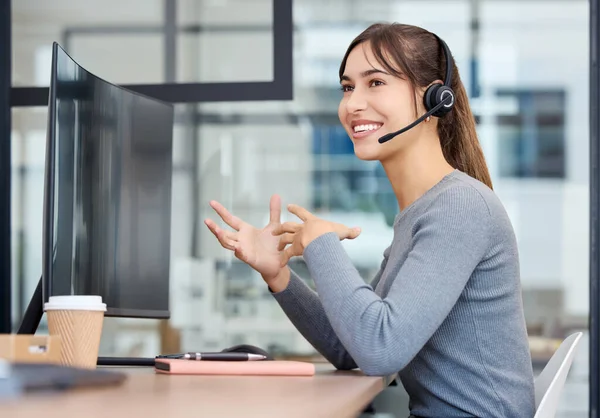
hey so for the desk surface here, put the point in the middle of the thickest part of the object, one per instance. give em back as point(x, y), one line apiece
point(329, 393)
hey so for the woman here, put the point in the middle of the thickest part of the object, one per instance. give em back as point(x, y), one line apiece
point(445, 309)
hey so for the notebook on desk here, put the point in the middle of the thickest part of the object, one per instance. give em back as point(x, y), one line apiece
point(250, 368)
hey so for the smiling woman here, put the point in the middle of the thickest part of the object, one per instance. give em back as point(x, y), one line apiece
point(399, 78)
point(445, 309)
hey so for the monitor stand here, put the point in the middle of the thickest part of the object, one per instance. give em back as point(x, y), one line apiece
point(33, 316)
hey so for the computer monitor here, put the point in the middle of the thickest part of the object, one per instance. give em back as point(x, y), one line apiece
point(107, 199)
point(107, 195)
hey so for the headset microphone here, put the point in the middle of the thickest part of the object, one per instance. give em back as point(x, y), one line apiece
point(438, 98)
point(387, 137)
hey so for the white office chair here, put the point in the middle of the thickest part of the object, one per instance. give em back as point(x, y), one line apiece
point(549, 384)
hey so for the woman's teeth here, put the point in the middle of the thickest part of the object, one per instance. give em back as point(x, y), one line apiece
point(369, 127)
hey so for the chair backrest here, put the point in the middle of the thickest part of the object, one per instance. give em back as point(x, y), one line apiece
point(549, 384)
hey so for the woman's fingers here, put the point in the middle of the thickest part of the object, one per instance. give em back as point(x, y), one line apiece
point(285, 240)
point(287, 227)
point(228, 218)
point(352, 233)
point(275, 209)
point(287, 254)
point(300, 212)
point(227, 239)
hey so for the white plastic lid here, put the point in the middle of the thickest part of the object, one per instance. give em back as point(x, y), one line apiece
point(75, 302)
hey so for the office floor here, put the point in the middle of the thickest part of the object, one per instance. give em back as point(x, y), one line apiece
point(393, 402)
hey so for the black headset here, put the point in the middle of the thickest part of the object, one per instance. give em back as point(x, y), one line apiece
point(438, 98)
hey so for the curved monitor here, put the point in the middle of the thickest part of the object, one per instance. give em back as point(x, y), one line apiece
point(107, 199)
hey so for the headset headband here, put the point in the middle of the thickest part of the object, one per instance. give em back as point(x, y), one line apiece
point(449, 61)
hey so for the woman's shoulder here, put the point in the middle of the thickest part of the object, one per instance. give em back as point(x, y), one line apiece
point(467, 197)
point(457, 191)
point(460, 208)
point(458, 199)
point(464, 187)
point(460, 196)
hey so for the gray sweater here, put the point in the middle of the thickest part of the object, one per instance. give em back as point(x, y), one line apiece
point(444, 311)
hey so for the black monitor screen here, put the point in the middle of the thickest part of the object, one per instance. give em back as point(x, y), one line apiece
point(107, 203)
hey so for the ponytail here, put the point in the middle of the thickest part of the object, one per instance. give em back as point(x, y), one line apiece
point(458, 136)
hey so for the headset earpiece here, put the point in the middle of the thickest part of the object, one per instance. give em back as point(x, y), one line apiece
point(434, 95)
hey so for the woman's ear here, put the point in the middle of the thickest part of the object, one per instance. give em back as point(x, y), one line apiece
point(431, 84)
point(421, 91)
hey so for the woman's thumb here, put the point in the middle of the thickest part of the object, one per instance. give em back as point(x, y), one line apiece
point(353, 232)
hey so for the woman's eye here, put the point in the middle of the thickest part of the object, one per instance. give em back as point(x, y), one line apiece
point(374, 83)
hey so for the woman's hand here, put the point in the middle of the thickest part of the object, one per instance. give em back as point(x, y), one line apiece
point(256, 247)
point(298, 236)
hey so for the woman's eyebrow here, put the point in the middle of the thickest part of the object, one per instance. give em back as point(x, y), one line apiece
point(365, 74)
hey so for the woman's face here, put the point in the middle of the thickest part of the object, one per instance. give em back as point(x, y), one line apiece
point(375, 103)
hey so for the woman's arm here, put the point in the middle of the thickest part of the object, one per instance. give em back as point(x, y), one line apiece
point(383, 335)
point(303, 307)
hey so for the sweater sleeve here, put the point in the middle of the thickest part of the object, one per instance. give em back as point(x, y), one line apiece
point(383, 335)
point(303, 307)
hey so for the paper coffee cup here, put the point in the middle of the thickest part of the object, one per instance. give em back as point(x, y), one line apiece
point(78, 321)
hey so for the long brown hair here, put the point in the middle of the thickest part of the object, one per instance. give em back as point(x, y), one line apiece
point(414, 54)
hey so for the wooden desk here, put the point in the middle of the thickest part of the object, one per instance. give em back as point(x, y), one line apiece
point(329, 393)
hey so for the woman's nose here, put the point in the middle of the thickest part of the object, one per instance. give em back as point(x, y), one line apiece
point(356, 102)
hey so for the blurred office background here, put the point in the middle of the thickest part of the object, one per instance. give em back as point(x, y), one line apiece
point(524, 63)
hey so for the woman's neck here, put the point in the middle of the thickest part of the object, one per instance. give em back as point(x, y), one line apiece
point(416, 170)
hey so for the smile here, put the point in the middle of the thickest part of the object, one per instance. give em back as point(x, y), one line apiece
point(360, 131)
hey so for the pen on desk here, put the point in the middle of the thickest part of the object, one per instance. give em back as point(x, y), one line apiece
point(215, 356)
